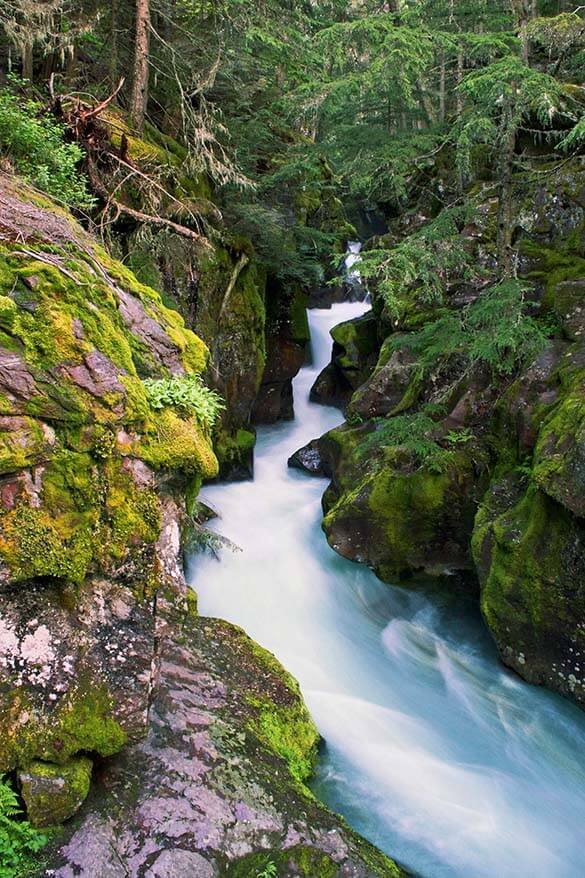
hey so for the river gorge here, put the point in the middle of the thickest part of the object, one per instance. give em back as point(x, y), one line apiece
point(434, 751)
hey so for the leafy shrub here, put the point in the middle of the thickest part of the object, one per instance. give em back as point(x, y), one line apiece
point(188, 394)
point(269, 871)
point(34, 143)
point(19, 841)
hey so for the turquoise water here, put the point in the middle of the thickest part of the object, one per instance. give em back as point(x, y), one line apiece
point(434, 751)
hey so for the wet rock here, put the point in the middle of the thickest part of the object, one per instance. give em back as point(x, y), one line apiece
point(569, 304)
point(355, 351)
point(539, 630)
point(150, 332)
point(308, 459)
point(54, 793)
point(275, 397)
point(385, 389)
point(98, 375)
point(208, 788)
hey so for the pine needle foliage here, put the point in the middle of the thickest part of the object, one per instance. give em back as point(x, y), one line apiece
point(415, 434)
point(498, 331)
point(422, 265)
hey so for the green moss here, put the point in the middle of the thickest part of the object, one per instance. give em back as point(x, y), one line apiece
point(177, 443)
point(282, 722)
point(82, 722)
point(8, 312)
point(22, 444)
point(301, 861)
point(553, 267)
point(299, 321)
point(33, 544)
point(86, 724)
point(287, 731)
point(524, 566)
point(53, 793)
point(234, 450)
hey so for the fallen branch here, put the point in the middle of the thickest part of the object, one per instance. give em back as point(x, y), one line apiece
point(138, 215)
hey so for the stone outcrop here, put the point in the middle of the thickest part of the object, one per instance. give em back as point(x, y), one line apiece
point(91, 498)
point(215, 789)
point(355, 352)
point(473, 475)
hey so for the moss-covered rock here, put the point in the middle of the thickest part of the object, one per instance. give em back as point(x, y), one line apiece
point(54, 793)
point(229, 742)
point(355, 352)
point(78, 332)
point(530, 556)
point(400, 519)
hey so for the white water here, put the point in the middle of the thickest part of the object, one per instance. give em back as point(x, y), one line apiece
point(352, 258)
point(434, 751)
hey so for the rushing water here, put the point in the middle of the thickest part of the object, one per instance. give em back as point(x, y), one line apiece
point(434, 751)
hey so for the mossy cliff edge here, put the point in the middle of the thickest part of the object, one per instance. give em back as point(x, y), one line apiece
point(462, 458)
point(103, 660)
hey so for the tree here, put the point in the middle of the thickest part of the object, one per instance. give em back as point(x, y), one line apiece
point(499, 98)
point(140, 68)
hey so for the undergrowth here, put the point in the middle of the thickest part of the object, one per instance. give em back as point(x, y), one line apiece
point(19, 841)
point(187, 394)
point(34, 143)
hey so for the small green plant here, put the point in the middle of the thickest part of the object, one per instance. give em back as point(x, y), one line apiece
point(421, 266)
point(459, 437)
point(19, 841)
point(199, 539)
point(268, 871)
point(413, 433)
point(497, 331)
point(188, 394)
point(34, 142)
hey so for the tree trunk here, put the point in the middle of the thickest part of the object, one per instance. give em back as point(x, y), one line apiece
point(521, 10)
point(139, 98)
point(114, 41)
point(504, 241)
point(460, 71)
point(27, 61)
point(442, 91)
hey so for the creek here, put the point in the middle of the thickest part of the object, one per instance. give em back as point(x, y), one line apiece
point(434, 751)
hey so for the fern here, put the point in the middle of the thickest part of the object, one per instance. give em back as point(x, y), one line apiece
point(19, 841)
point(188, 394)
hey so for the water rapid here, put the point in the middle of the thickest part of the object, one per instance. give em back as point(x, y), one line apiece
point(434, 751)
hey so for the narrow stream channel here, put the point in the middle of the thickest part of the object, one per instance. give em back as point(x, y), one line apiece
point(434, 751)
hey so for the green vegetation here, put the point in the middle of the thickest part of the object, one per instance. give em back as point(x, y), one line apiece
point(19, 841)
point(188, 395)
point(497, 331)
point(34, 142)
